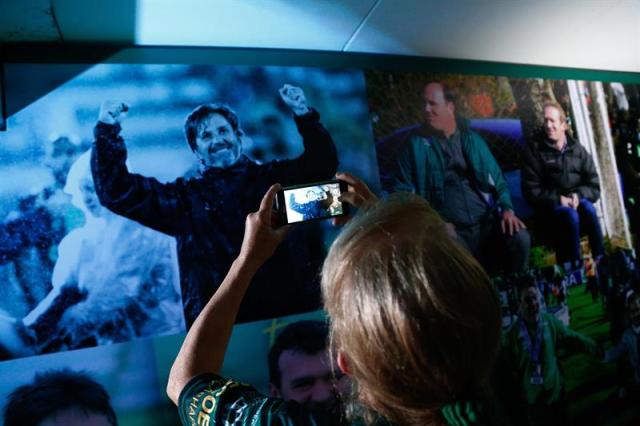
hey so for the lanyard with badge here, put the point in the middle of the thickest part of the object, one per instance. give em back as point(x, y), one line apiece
point(534, 351)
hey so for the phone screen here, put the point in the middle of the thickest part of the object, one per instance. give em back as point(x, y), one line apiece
point(310, 202)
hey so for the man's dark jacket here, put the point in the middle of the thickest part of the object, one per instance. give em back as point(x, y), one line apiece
point(548, 173)
point(206, 215)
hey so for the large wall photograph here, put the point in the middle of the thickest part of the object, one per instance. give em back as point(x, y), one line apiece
point(126, 185)
point(496, 155)
point(183, 153)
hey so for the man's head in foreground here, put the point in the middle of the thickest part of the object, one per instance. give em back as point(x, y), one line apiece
point(57, 398)
point(300, 365)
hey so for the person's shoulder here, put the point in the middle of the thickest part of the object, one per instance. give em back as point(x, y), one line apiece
point(546, 316)
point(187, 183)
point(416, 138)
point(470, 139)
point(259, 170)
point(551, 321)
point(464, 127)
point(573, 144)
point(252, 165)
point(577, 147)
point(536, 149)
point(511, 338)
point(205, 395)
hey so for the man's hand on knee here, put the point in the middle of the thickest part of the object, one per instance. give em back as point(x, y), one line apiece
point(510, 223)
point(566, 201)
point(575, 200)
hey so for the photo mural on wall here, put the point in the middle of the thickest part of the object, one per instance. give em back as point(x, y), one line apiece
point(129, 186)
point(124, 193)
point(555, 161)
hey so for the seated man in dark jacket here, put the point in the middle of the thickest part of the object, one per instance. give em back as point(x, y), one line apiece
point(206, 214)
point(560, 181)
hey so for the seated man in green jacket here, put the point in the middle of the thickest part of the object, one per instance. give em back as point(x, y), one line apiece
point(451, 166)
point(530, 348)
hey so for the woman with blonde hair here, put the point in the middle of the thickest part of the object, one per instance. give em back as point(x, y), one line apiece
point(414, 322)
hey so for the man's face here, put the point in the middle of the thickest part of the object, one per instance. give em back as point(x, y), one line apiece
point(554, 126)
point(217, 145)
point(85, 197)
point(439, 114)
point(530, 305)
point(75, 417)
point(89, 196)
point(305, 378)
point(634, 312)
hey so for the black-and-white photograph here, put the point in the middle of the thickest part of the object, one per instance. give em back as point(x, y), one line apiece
point(129, 186)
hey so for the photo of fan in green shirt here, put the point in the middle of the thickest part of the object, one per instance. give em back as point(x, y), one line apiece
point(531, 347)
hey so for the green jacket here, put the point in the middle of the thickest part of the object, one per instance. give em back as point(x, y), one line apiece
point(420, 167)
point(522, 367)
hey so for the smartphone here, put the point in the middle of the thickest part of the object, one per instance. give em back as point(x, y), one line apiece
point(313, 201)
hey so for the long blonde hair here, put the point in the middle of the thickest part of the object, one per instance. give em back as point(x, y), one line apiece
point(412, 311)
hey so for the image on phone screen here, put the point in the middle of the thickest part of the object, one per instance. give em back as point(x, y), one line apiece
point(317, 201)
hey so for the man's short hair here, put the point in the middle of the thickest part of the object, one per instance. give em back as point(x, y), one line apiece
point(198, 115)
point(556, 105)
point(54, 391)
point(309, 337)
